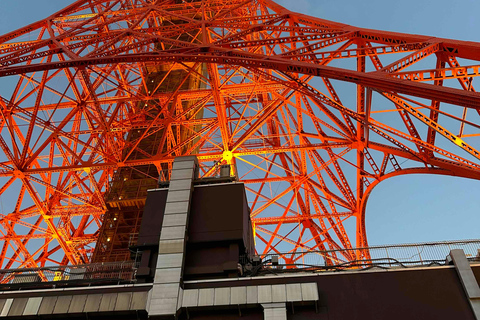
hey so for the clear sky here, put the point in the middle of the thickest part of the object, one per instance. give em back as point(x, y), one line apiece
point(403, 209)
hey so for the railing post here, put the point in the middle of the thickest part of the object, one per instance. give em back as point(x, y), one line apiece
point(388, 257)
point(420, 255)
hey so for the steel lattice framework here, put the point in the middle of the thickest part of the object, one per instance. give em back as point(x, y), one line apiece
point(312, 115)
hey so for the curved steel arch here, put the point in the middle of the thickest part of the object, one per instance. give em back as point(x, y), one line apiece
point(434, 171)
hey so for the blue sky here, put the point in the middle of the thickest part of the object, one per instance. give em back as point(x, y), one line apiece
point(441, 18)
point(403, 209)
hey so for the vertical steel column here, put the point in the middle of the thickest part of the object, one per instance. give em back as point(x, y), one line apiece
point(166, 295)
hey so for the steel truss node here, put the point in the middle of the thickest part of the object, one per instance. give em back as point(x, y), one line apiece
point(98, 99)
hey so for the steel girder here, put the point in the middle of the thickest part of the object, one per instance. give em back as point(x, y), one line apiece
point(312, 114)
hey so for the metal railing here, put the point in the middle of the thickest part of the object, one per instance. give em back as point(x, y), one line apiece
point(403, 255)
point(114, 271)
point(390, 256)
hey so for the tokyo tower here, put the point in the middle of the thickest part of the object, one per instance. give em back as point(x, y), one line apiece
point(98, 99)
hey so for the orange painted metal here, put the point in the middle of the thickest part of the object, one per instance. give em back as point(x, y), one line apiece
point(312, 114)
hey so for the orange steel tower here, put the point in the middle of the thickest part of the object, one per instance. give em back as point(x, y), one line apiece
point(97, 100)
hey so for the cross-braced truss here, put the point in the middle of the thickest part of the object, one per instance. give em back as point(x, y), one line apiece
point(312, 115)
